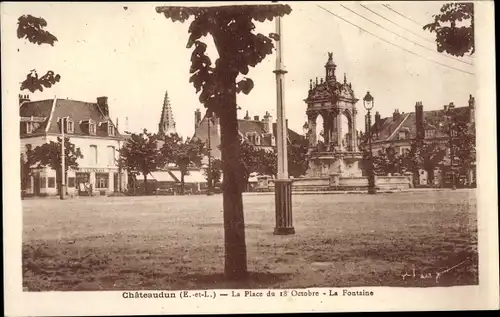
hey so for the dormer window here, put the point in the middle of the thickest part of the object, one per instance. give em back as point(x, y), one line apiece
point(29, 127)
point(402, 135)
point(111, 130)
point(92, 127)
point(70, 126)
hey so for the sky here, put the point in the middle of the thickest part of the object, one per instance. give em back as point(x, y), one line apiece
point(134, 56)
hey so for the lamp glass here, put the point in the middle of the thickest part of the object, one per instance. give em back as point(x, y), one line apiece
point(368, 101)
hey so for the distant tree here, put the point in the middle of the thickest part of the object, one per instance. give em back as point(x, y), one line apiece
point(141, 155)
point(216, 172)
point(298, 162)
point(32, 29)
point(426, 155)
point(27, 162)
point(464, 142)
point(183, 153)
point(232, 29)
point(454, 28)
point(388, 161)
point(49, 154)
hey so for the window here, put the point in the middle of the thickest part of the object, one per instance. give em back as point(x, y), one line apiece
point(402, 135)
point(257, 140)
point(404, 150)
point(111, 155)
point(430, 133)
point(70, 126)
point(101, 180)
point(93, 154)
point(91, 128)
point(43, 182)
point(111, 129)
point(29, 127)
point(71, 182)
point(52, 182)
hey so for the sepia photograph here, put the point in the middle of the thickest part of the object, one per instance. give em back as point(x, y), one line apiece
point(210, 153)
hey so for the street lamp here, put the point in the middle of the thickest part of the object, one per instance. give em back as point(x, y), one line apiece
point(368, 102)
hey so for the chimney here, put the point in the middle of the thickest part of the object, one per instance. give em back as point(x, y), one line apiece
point(197, 117)
point(247, 117)
point(268, 123)
point(23, 98)
point(256, 118)
point(102, 103)
point(472, 107)
point(419, 120)
point(395, 115)
point(378, 123)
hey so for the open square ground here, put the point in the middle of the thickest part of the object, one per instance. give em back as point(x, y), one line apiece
point(177, 242)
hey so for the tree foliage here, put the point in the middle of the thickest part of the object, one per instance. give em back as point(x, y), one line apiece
point(214, 175)
point(141, 155)
point(451, 36)
point(49, 154)
point(27, 161)
point(33, 29)
point(424, 155)
point(232, 29)
point(183, 153)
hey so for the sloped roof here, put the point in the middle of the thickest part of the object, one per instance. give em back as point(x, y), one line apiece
point(41, 108)
point(245, 126)
point(78, 111)
point(390, 128)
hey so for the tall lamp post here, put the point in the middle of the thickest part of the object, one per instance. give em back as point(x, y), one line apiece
point(63, 163)
point(209, 174)
point(368, 102)
point(282, 184)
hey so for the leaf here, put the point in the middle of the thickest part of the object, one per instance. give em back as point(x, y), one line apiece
point(32, 29)
point(245, 86)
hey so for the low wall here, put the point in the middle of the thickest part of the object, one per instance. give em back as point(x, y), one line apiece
point(336, 182)
point(393, 182)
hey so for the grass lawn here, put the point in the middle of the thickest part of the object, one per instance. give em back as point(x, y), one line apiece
point(176, 242)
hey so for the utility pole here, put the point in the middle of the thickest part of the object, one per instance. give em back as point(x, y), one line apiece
point(63, 163)
point(282, 185)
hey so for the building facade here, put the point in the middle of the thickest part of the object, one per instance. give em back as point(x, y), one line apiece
point(261, 133)
point(401, 129)
point(89, 127)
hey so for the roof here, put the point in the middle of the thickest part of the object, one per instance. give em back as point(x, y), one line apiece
point(78, 111)
point(244, 126)
point(193, 177)
point(390, 126)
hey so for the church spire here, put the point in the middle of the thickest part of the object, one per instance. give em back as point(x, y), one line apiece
point(167, 123)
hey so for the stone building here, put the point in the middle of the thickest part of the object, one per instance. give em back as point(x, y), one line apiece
point(261, 133)
point(401, 129)
point(88, 127)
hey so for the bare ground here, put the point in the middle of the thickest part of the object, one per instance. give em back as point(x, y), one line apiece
point(132, 243)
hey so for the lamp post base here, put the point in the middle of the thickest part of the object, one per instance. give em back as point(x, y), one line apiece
point(283, 204)
point(62, 194)
point(372, 191)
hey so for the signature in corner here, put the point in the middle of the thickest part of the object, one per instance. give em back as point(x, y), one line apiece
point(430, 275)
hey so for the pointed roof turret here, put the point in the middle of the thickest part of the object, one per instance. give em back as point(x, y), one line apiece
point(167, 123)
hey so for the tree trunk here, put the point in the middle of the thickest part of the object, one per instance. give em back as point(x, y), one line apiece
point(145, 183)
point(235, 266)
point(182, 182)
